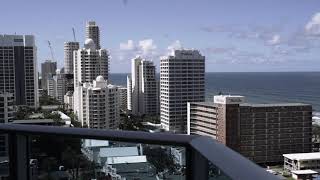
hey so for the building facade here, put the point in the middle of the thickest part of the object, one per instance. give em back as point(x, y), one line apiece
point(97, 104)
point(302, 161)
point(68, 100)
point(129, 93)
point(123, 98)
point(144, 88)
point(57, 86)
point(260, 132)
point(69, 48)
point(93, 32)
point(7, 107)
point(48, 70)
point(6, 116)
point(89, 63)
point(182, 80)
point(18, 59)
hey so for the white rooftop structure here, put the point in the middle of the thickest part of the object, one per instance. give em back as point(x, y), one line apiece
point(92, 143)
point(64, 117)
point(303, 156)
point(89, 44)
point(229, 99)
point(126, 160)
point(119, 152)
point(306, 171)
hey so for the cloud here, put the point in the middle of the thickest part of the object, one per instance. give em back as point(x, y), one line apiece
point(313, 26)
point(173, 46)
point(147, 46)
point(274, 40)
point(127, 46)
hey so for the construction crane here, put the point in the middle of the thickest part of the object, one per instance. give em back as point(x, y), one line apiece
point(49, 44)
point(74, 35)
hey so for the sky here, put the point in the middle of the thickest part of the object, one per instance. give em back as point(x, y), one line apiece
point(235, 36)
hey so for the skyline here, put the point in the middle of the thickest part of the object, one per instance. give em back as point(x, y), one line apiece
point(232, 35)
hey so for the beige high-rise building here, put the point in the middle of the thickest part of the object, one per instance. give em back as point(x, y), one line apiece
point(144, 91)
point(18, 64)
point(182, 80)
point(90, 62)
point(97, 104)
point(93, 32)
point(260, 132)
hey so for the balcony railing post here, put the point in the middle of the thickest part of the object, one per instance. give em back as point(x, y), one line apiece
point(197, 165)
point(18, 156)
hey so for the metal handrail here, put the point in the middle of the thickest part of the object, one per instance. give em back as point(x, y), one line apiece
point(228, 161)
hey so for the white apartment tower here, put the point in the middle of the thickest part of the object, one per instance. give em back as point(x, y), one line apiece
point(18, 64)
point(129, 93)
point(97, 104)
point(144, 88)
point(89, 63)
point(57, 86)
point(93, 32)
point(182, 80)
point(69, 48)
point(123, 98)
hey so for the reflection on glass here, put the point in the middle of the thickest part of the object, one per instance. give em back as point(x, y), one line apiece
point(73, 158)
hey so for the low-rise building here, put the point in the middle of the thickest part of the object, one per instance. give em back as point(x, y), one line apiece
point(302, 161)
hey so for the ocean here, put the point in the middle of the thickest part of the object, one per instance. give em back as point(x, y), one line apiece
point(259, 87)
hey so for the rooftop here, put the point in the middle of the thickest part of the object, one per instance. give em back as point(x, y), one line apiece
point(126, 160)
point(274, 104)
point(119, 151)
point(307, 171)
point(303, 156)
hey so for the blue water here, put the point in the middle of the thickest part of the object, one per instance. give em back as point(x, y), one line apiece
point(262, 87)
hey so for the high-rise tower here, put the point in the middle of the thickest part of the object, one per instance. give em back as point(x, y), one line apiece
point(18, 61)
point(181, 80)
point(144, 92)
point(69, 48)
point(48, 70)
point(93, 32)
point(90, 63)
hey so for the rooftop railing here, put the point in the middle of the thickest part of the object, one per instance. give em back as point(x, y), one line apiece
point(202, 154)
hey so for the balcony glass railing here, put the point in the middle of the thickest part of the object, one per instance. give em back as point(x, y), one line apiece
point(44, 152)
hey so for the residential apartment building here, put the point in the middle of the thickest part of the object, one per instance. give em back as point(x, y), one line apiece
point(261, 132)
point(93, 32)
point(182, 80)
point(48, 70)
point(129, 93)
point(123, 98)
point(144, 92)
point(97, 104)
point(57, 86)
point(18, 59)
point(6, 107)
point(6, 116)
point(89, 63)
